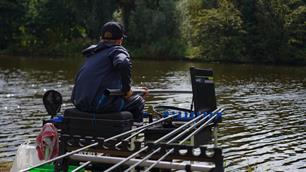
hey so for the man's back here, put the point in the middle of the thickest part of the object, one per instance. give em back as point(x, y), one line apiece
point(98, 73)
point(107, 66)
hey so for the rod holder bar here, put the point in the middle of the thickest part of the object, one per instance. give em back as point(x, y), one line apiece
point(161, 164)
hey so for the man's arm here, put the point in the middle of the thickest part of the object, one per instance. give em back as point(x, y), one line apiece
point(123, 64)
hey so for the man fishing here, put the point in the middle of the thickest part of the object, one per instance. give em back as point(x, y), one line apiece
point(107, 66)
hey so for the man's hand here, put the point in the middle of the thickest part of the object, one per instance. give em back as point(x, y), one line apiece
point(128, 94)
point(145, 91)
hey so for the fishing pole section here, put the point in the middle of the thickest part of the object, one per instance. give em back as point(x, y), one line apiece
point(179, 139)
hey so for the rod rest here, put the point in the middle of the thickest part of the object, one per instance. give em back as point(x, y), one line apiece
point(82, 141)
point(216, 156)
point(187, 116)
point(188, 151)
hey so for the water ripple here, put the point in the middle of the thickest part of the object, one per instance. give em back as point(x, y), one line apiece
point(263, 128)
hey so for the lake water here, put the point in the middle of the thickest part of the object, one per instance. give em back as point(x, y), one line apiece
point(263, 128)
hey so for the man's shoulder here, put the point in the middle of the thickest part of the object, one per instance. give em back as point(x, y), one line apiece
point(111, 50)
point(118, 49)
point(89, 50)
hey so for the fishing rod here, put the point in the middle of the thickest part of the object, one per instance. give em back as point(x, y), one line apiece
point(60, 157)
point(170, 141)
point(81, 166)
point(139, 128)
point(199, 129)
point(152, 163)
point(146, 147)
point(181, 142)
point(118, 92)
point(128, 138)
point(176, 137)
point(96, 143)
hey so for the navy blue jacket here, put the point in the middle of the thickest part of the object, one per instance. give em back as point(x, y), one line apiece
point(106, 66)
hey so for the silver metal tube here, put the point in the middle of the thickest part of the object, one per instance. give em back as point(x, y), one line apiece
point(171, 150)
point(215, 133)
point(142, 160)
point(201, 127)
point(162, 164)
point(124, 160)
point(156, 141)
point(81, 166)
point(133, 135)
point(163, 157)
point(144, 148)
point(139, 128)
point(188, 129)
point(162, 138)
point(173, 139)
point(159, 160)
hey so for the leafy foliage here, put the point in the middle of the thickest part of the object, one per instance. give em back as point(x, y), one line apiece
point(257, 31)
point(154, 29)
point(215, 31)
point(281, 25)
point(10, 12)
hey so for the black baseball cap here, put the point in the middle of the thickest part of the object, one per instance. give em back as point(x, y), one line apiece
point(112, 30)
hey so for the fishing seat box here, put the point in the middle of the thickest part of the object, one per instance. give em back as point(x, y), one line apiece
point(77, 124)
point(96, 125)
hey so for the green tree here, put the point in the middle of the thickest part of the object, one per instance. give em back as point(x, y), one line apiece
point(296, 26)
point(248, 12)
point(279, 23)
point(11, 12)
point(126, 7)
point(258, 31)
point(153, 29)
point(213, 33)
point(47, 27)
point(92, 14)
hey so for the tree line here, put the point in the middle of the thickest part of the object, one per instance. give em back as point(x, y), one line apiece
point(252, 31)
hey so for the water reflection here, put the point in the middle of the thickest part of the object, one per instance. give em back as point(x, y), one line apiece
point(264, 126)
